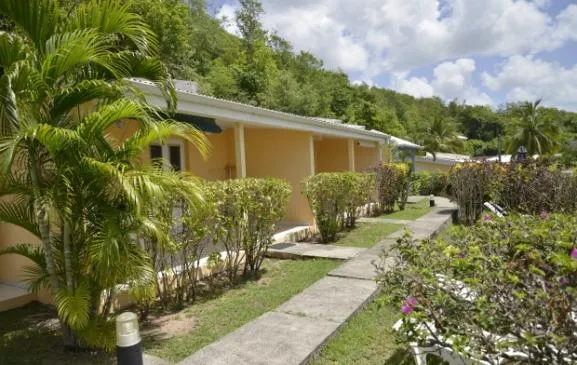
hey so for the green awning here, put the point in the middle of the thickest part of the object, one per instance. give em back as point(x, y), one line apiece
point(201, 123)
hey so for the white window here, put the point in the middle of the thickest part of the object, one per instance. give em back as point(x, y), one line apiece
point(171, 154)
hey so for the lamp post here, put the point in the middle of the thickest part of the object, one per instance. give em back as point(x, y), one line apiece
point(128, 346)
point(521, 153)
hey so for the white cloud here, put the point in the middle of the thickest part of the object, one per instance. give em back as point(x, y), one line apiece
point(451, 80)
point(529, 78)
point(376, 36)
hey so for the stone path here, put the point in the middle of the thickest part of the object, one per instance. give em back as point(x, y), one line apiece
point(297, 330)
point(295, 250)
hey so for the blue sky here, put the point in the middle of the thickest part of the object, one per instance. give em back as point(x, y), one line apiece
point(478, 51)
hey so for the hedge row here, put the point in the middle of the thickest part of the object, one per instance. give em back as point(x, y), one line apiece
point(529, 188)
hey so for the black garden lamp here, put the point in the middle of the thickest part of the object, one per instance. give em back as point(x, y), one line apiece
point(522, 153)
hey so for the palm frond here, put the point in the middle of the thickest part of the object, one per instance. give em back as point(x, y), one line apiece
point(19, 212)
point(111, 17)
point(66, 52)
point(36, 18)
point(74, 306)
point(83, 92)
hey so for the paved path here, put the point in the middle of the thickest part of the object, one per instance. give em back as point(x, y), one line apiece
point(297, 330)
point(383, 220)
point(294, 250)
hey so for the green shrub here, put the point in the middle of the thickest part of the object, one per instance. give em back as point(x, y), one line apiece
point(427, 183)
point(358, 188)
point(327, 197)
point(392, 184)
point(530, 187)
point(247, 212)
point(533, 187)
point(335, 199)
point(514, 276)
point(265, 202)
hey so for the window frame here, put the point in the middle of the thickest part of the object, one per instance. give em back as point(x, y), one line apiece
point(165, 150)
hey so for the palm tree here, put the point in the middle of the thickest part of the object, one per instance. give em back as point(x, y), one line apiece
point(67, 181)
point(538, 135)
point(442, 136)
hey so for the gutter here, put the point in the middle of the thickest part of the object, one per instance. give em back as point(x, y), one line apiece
point(261, 116)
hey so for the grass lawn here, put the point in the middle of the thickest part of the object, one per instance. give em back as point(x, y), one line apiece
point(366, 234)
point(219, 316)
point(28, 334)
point(411, 212)
point(368, 339)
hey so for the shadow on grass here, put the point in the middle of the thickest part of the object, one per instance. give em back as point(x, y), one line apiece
point(30, 335)
point(404, 357)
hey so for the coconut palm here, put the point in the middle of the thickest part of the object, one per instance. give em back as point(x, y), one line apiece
point(537, 134)
point(80, 191)
point(442, 136)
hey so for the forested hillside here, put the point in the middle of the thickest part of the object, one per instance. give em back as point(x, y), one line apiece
point(261, 68)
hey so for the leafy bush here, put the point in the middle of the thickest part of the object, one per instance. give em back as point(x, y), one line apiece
point(265, 202)
point(469, 187)
point(335, 198)
point(247, 212)
point(530, 187)
point(392, 184)
point(358, 188)
point(514, 277)
point(427, 183)
point(533, 187)
point(327, 197)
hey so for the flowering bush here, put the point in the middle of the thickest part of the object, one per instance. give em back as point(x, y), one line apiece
point(502, 285)
point(335, 197)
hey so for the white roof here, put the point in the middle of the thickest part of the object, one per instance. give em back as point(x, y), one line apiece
point(190, 102)
point(444, 158)
point(402, 143)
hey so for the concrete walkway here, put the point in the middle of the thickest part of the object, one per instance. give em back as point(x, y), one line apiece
point(294, 250)
point(383, 220)
point(297, 330)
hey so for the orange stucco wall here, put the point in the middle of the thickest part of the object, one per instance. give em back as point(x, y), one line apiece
point(284, 154)
point(365, 157)
point(331, 155)
point(11, 265)
point(219, 163)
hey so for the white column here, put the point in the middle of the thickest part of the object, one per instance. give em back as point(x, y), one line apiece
point(239, 150)
point(379, 153)
point(351, 150)
point(312, 155)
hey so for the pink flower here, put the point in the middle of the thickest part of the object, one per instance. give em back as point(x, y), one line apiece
point(487, 218)
point(563, 281)
point(462, 255)
point(544, 215)
point(412, 301)
point(406, 309)
point(574, 253)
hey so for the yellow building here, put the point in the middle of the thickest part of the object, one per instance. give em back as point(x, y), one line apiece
point(246, 141)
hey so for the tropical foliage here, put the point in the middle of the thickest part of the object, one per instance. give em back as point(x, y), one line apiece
point(64, 177)
point(335, 198)
point(503, 289)
point(392, 185)
point(533, 130)
point(530, 187)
